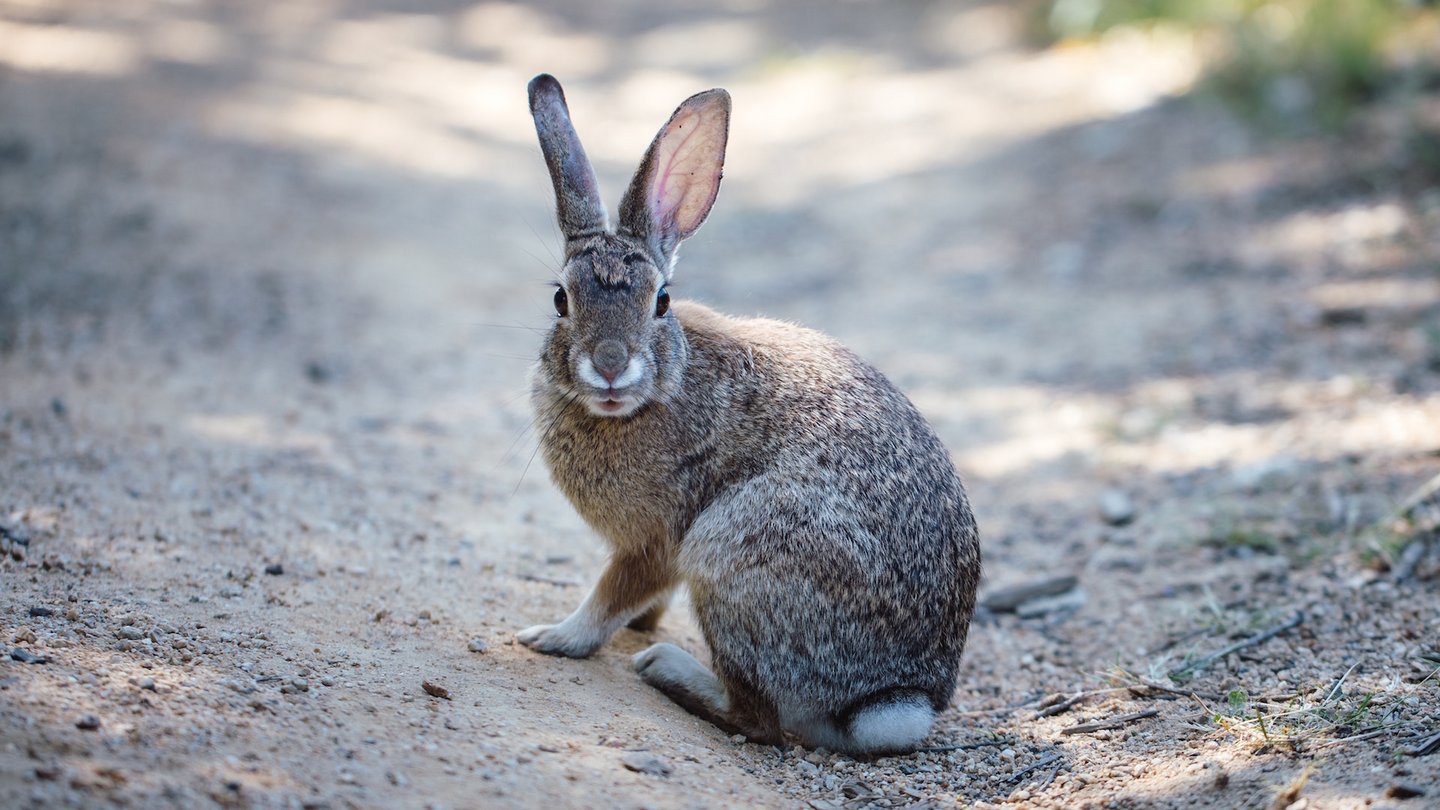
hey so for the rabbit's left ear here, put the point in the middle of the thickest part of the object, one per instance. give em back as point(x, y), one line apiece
point(577, 194)
point(676, 184)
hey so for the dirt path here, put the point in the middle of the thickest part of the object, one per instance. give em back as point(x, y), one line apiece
point(270, 276)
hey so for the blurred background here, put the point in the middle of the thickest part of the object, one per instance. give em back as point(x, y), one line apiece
point(1164, 235)
point(1165, 275)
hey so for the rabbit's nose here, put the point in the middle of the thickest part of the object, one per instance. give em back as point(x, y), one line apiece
point(610, 359)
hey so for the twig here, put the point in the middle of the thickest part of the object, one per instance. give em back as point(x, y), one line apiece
point(1006, 600)
point(1419, 496)
point(1367, 735)
point(1336, 688)
point(1064, 705)
point(1112, 723)
point(1291, 792)
point(1184, 673)
point(1212, 696)
point(1425, 747)
point(1178, 639)
point(1039, 701)
point(1403, 568)
point(560, 583)
point(1051, 777)
point(1039, 763)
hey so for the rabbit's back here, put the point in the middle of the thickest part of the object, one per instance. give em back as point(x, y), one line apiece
point(845, 562)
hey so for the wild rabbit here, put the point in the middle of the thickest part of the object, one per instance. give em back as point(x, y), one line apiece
point(825, 537)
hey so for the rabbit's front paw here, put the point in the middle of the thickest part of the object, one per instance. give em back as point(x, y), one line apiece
point(560, 639)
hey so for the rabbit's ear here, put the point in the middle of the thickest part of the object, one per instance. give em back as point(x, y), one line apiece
point(577, 193)
point(677, 182)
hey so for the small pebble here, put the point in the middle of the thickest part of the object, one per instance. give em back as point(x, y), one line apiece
point(130, 632)
point(1116, 507)
point(435, 690)
point(88, 722)
point(26, 657)
point(274, 569)
point(642, 762)
point(147, 683)
point(478, 645)
point(1404, 791)
point(41, 611)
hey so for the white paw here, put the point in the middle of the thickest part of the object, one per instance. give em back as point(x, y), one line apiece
point(677, 674)
point(667, 664)
point(559, 639)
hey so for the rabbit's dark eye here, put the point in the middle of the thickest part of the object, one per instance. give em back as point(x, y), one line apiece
point(562, 302)
point(662, 302)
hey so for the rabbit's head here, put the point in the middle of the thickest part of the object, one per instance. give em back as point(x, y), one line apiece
point(615, 345)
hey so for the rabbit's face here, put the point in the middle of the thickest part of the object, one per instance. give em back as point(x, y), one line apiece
point(615, 345)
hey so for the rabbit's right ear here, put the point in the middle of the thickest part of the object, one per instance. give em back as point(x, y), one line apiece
point(677, 181)
point(577, 192)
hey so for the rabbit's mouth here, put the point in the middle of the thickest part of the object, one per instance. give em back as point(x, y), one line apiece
point(610, 402)
point(620, 392)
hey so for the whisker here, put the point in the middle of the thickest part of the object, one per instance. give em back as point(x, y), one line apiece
point(529, 427)
point(559, 412)
point(554, 260)
point(536, 329)
point(521, 357)
point(508, 401)
point(524, 432)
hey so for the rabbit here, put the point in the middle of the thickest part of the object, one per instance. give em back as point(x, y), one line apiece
point(827, 542)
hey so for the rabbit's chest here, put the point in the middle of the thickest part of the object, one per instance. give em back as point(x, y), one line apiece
point(623, 494)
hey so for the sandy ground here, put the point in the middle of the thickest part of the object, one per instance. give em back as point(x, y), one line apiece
point(270, 276)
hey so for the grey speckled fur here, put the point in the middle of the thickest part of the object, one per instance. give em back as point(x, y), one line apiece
point(817, 520)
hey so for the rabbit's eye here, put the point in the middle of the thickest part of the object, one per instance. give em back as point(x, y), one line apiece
point(662, 302)
point(562, 302)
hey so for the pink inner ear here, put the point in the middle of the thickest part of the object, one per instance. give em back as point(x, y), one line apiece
point(687, 168)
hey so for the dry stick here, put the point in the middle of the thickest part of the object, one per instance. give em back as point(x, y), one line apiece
point(1039, 763)
point(1040, 701)
point(1180, 638)
point(1051, 777)
point(1416, 498)
point(1112, 723)
point(1214, 696)
point(1366, 735)
point(559, 583)
point(1185, 672)
point(1425, 747)
point(1335, 690)
point(1064, 705)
